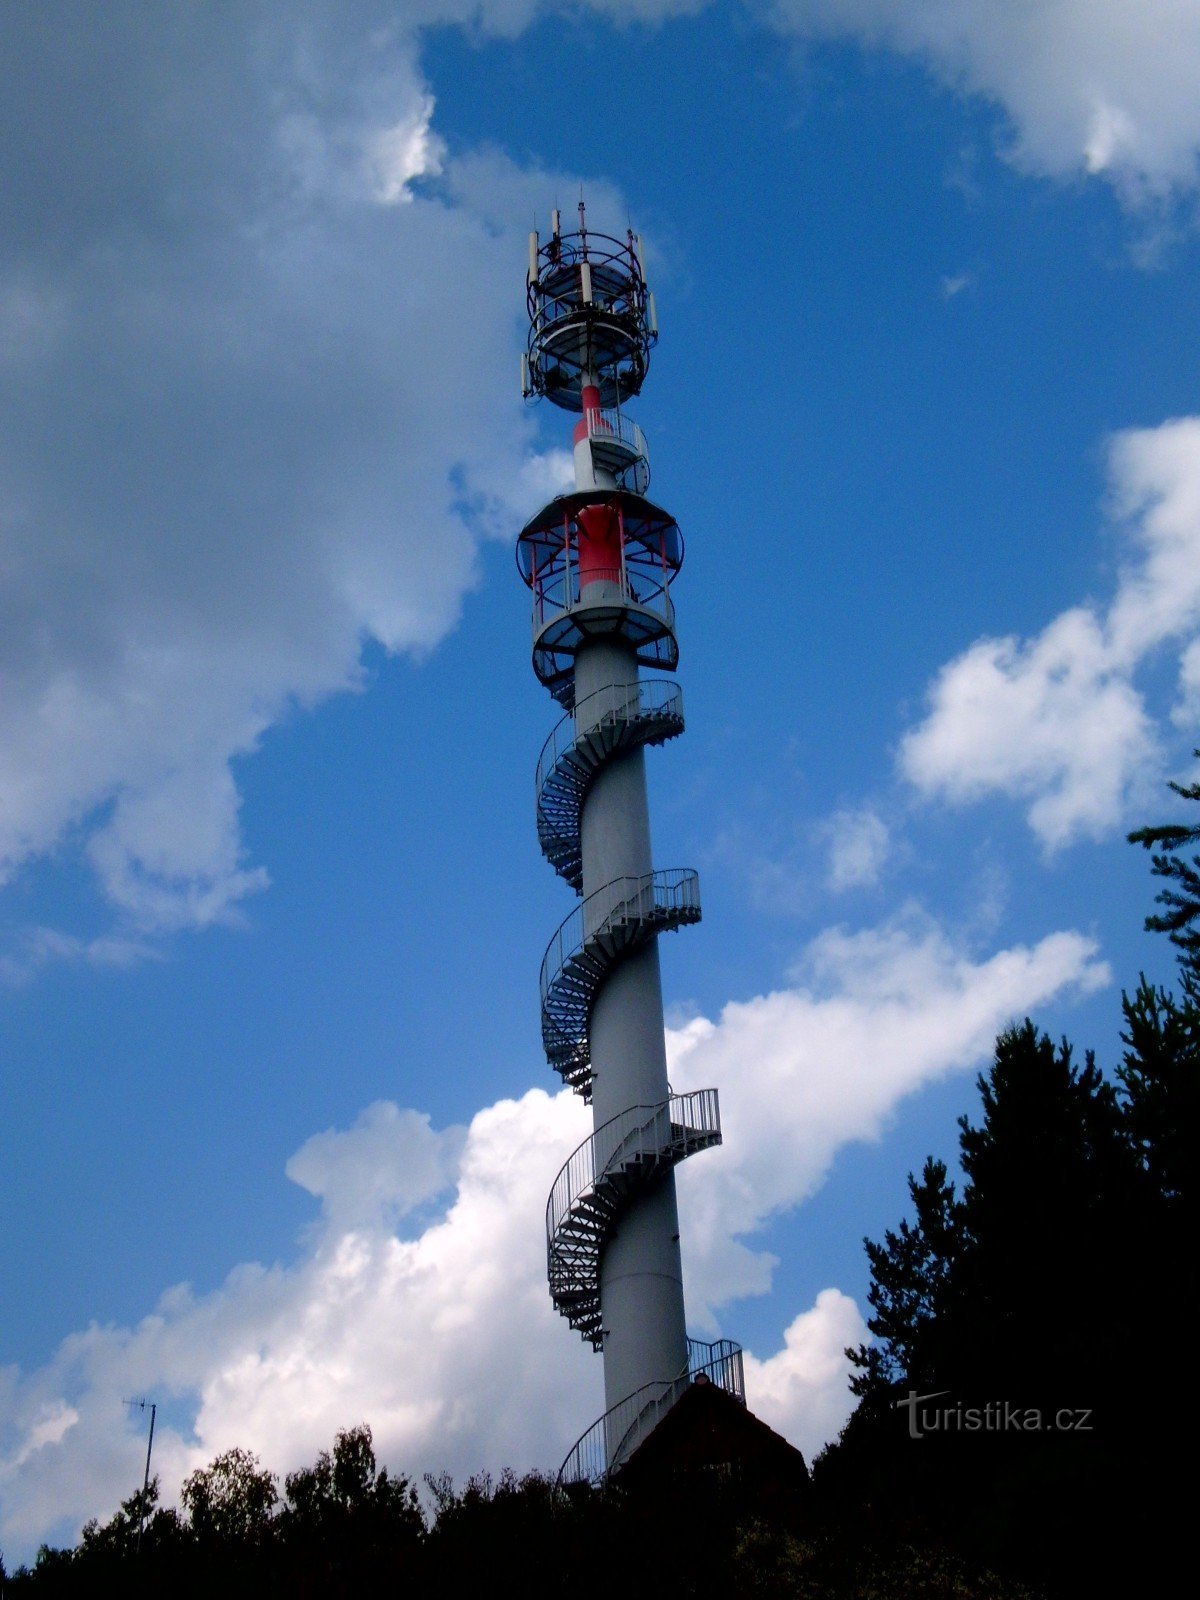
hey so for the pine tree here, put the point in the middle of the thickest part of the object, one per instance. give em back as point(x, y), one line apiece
point(1159, 1075)
point(1048, 1182)
point(910, 1272)
point(1181, 919)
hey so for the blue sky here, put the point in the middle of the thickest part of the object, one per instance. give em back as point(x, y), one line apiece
point(278, 1128)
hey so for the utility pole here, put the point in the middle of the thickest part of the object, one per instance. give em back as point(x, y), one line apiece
point(141, 1405)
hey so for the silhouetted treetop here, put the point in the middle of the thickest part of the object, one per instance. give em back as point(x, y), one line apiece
point(1181, 897)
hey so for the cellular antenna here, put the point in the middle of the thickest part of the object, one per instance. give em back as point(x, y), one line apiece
point(599, 562)
point(140, 1405)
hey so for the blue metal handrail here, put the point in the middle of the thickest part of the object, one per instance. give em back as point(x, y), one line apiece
point(591, 1458)
point(616, 702)
point(696, 1115)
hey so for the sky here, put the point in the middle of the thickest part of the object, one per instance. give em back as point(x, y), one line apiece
point(278, 1131)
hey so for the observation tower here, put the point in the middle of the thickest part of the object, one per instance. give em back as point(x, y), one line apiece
point(600, 562)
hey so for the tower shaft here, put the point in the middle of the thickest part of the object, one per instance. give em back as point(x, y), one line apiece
point(600, 562)
point(641, 1272)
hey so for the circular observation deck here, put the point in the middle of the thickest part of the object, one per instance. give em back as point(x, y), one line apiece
point(576, 599)
point(590, 319)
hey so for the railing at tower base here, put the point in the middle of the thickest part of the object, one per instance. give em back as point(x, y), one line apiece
point(611, 1440)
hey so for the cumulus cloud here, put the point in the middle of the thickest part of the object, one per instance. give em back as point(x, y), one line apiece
point(801, 1390)
point(1087, 86)
point(383, 1168)
point(445, 1341)
point(859, 842)
point(1186, 712)
point(433, 1322)
point(1057, 720)
point(232, 255)
point(223, 465)
point(951, 285)
point(39, 946)
point(869, 1018)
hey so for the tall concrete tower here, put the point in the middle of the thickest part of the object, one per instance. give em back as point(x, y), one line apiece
point(600, 562)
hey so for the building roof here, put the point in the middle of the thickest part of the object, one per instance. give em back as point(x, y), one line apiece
point(708, 1430)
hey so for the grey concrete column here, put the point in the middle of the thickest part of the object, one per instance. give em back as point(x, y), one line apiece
point(641, 1277)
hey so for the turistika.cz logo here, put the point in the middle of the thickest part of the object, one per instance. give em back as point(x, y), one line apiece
point(998, 1416)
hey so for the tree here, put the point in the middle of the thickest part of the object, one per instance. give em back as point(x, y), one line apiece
point(1181, 897)
point(1064, 1277)
point(345, 1500)
point(1048, 1184)
point(910, 1272)
point(990, 1290)
point(1159, 1074)
point(230, 1500)
point(118, 1537)
point(1005, 1296)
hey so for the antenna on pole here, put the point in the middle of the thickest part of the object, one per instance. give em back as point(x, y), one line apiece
point(140, 1405)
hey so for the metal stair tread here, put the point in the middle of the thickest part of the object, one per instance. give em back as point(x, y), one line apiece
point(576, 1238)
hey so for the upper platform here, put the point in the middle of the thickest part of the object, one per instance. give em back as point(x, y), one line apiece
point(591, 320)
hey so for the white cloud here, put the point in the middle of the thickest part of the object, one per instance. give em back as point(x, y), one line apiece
point(444, 1339)
point(1156, 489)
point(859, 843)
point(1048, 720)
point(405, 151)
point(1096, 86)
point(260, 412)
point(49, 1426)
point(1087, 86)
point(1057, 720)
point(801, 1391)
point(40, 946)
point(387, 1165)
point(223, 465)
point(870, 1018)
point(1186, 712)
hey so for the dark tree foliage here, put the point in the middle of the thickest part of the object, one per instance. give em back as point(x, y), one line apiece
point(1159, 1074)
point(1061, 1278)
point(909, 1282)
point(991, 1289)
point(345, 1519)
point(1181, 897)
point(139, 1521)
point(356, 1532)
point(230, 1500)
point(345, 1528)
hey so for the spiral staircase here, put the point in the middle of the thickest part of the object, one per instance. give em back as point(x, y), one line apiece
point(599, 1180)
point(627, 1154)
point(603, 929)
point(604, 725)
